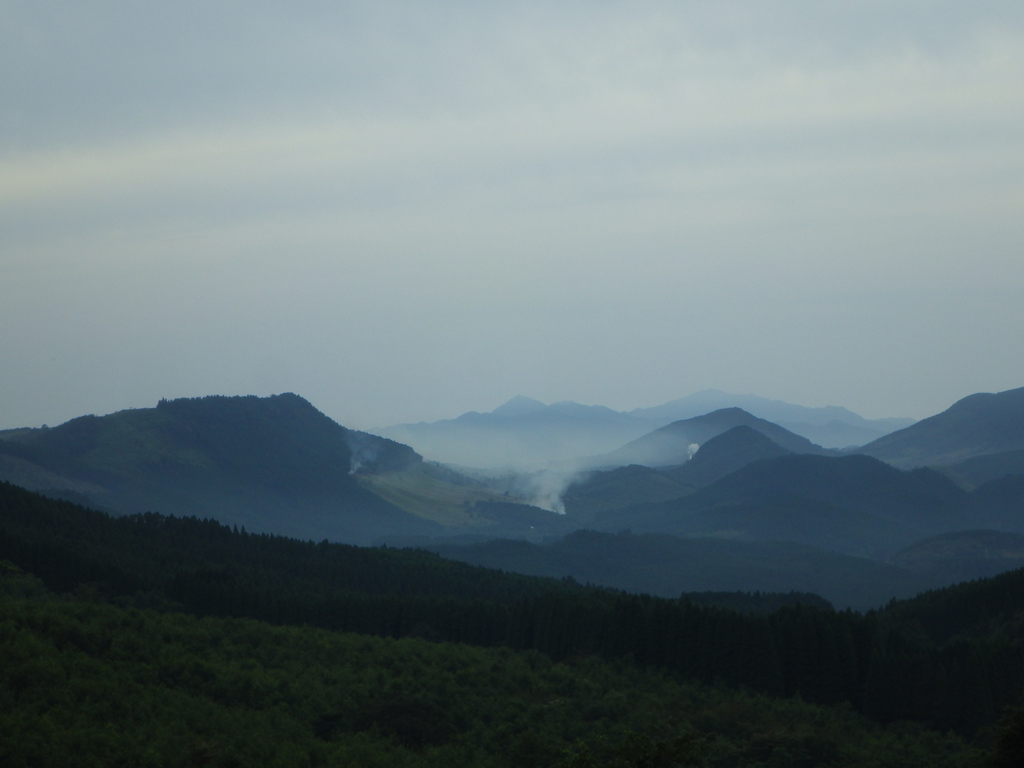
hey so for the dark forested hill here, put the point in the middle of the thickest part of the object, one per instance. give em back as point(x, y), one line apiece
point(977, 425)
point(271, 464)
point(851, 504)
point(726, 453)
point(600, 491)
point(879, 665)
point(93, 684)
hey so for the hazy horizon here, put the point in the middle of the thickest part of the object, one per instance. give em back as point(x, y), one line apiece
point(405, 211)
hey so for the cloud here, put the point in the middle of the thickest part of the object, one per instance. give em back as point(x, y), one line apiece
point(530, 197)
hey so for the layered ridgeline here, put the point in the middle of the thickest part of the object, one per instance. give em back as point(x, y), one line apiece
point(745, 511)
point(742, 485)
point(752, 512)
point(273, 464)
point(528, 433)
point(270, 464)
point(982, 429)
point(950, 659)
point(831, 426)
point(676, 443)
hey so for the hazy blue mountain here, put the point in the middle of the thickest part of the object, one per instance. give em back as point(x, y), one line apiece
point(667, 565)
point(527, 432)
point(521, 433)
point(271, 464)
point(600, 491)
point(977, 425)
point(831, 426)
point(675, 443)
point(724, 454)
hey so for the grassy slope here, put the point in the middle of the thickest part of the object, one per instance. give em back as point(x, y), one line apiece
point(428, 491)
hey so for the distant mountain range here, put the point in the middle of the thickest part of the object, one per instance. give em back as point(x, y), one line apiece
point(851, 504)
point(677, 442)
point(722, 481)
point(831, 426)
point(526, 432)
point(521, 433)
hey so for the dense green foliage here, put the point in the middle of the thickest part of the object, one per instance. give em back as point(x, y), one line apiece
point(90, 684)
point(882, 663)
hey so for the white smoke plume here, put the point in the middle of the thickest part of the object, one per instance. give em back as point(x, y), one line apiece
point(545, 488)
point(364, 450)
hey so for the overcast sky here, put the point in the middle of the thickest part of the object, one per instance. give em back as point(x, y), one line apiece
point(404, 211)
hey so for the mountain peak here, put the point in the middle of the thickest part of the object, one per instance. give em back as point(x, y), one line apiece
point(977, 425)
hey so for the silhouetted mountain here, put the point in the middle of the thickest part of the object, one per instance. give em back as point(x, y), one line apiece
point(974, 426)
point(852, 504)
point(724, 454)
point(271, 464)
point(831, 427)
point(521, 433)
point(601, 491)
point(675, 443)
point(666, 565)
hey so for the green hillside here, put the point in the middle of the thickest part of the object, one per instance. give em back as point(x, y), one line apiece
point(878, 664)
point(270, 464)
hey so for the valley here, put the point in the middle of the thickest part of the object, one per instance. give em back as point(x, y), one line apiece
point(718, 525)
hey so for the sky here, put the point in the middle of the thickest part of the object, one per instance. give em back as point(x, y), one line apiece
point(403, 211)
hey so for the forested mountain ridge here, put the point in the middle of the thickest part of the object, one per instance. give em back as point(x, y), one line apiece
point(274, 441)
point(852, 504)
point(977, 425)
point(272, 464)
point(604, 490)
point(951, 659)
point(208, 569)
